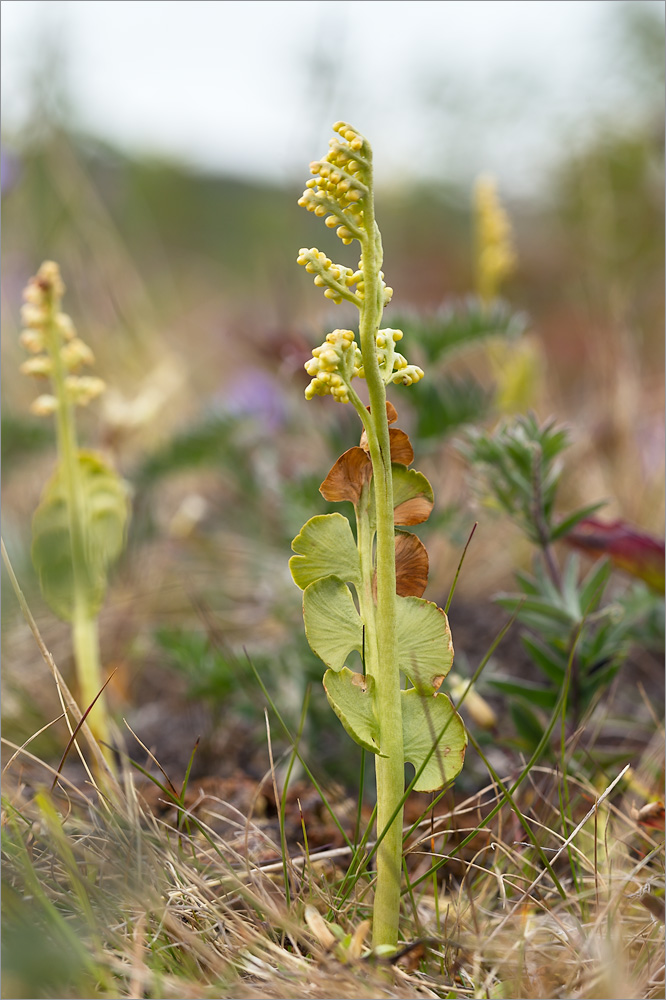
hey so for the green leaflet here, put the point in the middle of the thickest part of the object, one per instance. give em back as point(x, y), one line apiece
point(535, 694)
point(325, 546)
point(425, 649)
point(332, 623)
point(528, 726)
point(425, 721)
point(351, 696)
point(105, 515)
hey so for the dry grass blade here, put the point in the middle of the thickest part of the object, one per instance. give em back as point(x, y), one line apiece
point(176, 915)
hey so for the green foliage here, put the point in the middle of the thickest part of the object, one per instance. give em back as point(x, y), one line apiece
point(50, 968)
point(528, 725)
point(434, 739)
point(518, 465)
point(326, 557)
point(332, 623)
point(211, 673)
point(445, 401)
point(425, 649)
point(573, 627)
point(462, 326)
point(449, 401)
point(210, 441)
point(556, 618)
point(21, 437)
point(325, 547)
point(352, 697)
point(645, 612)
point(104, 510)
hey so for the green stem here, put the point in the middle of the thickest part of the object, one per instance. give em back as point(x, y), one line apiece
point(85, 638)
point(382, 662)
point(365, 537)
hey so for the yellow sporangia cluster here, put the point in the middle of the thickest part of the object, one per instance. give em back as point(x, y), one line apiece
point(338, 191)
point(337, 280)
point(49, 336)
point(341, 183)
point(393, 366)
point(341, 190)
point(338, 360)
point(333, 365)
point(496, 259)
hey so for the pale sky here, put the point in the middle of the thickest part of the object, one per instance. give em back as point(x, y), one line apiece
point(251, 87)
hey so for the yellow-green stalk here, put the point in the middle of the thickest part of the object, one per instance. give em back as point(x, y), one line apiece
point(517, 366)
point(80, 523)
point(495, 256)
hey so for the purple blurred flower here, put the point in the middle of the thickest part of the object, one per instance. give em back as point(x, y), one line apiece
point(9, 170)
point(255, 394)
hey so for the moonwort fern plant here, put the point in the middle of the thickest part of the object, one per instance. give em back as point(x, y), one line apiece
point(80, 524)
point(363, 592)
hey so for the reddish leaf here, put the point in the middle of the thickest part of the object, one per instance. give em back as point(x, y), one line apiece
point(412, 496)
point(413, 511)
point(411, 957)
point(411, 565)
point(651, 815)
point(401, 447)
point(347, 477)
point(631, 550)
point(391, 412)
